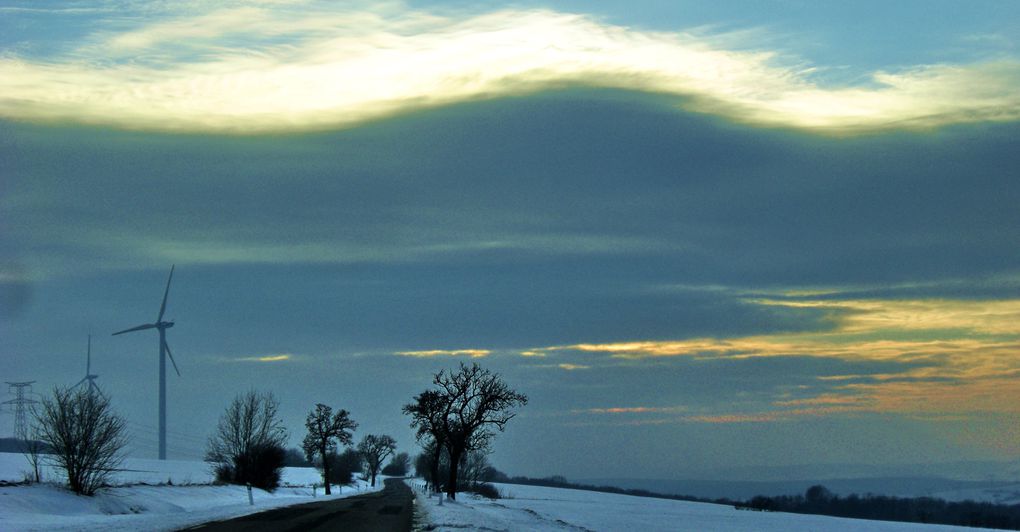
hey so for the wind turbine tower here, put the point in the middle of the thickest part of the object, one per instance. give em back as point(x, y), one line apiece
point(164, 351)
point(88, 372)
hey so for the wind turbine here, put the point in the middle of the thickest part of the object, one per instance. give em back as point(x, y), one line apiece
point(88, 372)
point(164, 350)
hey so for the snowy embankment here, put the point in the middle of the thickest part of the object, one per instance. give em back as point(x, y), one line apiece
point(150, 495)
point(536, 508)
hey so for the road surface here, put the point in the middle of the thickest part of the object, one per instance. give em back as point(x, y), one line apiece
point(391, 510)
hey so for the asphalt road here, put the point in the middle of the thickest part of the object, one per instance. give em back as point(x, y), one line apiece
point(391, 510)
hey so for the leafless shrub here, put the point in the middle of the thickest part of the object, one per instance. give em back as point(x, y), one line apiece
point(86, 437)
point(248, 445)
point(33, 449)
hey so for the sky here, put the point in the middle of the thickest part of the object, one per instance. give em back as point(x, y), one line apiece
point(699, 236)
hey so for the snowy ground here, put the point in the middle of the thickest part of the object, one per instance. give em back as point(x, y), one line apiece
point(143, 499)
point(541, 509)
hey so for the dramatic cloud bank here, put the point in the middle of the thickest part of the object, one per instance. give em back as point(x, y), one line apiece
point(953, 356)
point(285, 68)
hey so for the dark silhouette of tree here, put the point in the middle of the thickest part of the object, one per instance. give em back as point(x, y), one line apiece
point(86, 437)
point(399, 465)
point(294, 457)
point(428, 414)
point(818, 494)
point(425, 466)
point(325, 430)
point(248, 445)
point(475, 403)
point(344, 466)
point(374, 449)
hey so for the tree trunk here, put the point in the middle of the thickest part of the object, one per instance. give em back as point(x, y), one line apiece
point(325, 469)
point(435, 468)
point(451, 486)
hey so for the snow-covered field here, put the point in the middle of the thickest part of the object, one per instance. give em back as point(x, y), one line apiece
point(167, 495)
point(150, 495)
point(537, 509)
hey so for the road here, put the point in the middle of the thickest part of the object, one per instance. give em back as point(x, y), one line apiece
point(391, 510)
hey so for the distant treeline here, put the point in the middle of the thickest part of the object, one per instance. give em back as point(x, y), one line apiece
point(821, 501)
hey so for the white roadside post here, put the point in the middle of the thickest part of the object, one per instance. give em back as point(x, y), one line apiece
point(251, 501)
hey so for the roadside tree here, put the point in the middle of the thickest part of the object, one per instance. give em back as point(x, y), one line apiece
point(375, 449)
point(325, 430)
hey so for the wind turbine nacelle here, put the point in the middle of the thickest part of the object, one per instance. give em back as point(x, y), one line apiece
point(167, 324)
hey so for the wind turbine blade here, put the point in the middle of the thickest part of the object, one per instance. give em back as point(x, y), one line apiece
point(167, 347)
point(162, 307)
point(88, 358)
point(139, 328)
point(79, 383)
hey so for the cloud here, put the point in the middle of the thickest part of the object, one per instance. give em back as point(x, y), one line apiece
point(281, 357)
point(956, 356)
point(975, 330)
point(253, 69)
point(472, 353)
point(767, 417)
point(634, 410)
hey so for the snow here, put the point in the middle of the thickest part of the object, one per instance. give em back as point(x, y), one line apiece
point(174, 494)
point(540, 509)
point(148, 495)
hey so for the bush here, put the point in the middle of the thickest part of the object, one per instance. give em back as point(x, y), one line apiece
point(343, 466)
point(485, 490)
point(491, 474)
point(247, 447)
point(294, 457)
point(261, 467)
point(87, 438)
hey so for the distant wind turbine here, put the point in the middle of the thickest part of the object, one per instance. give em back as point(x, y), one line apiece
point(164, 350)
point(89, 377)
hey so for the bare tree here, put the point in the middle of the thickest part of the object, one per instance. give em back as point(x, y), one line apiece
point(479, 401)
point(86, 437)
point(248, 445)
point(428, 414)
point(474, 464)
point(375, 449)
point(460, 415)
point(325, 430)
